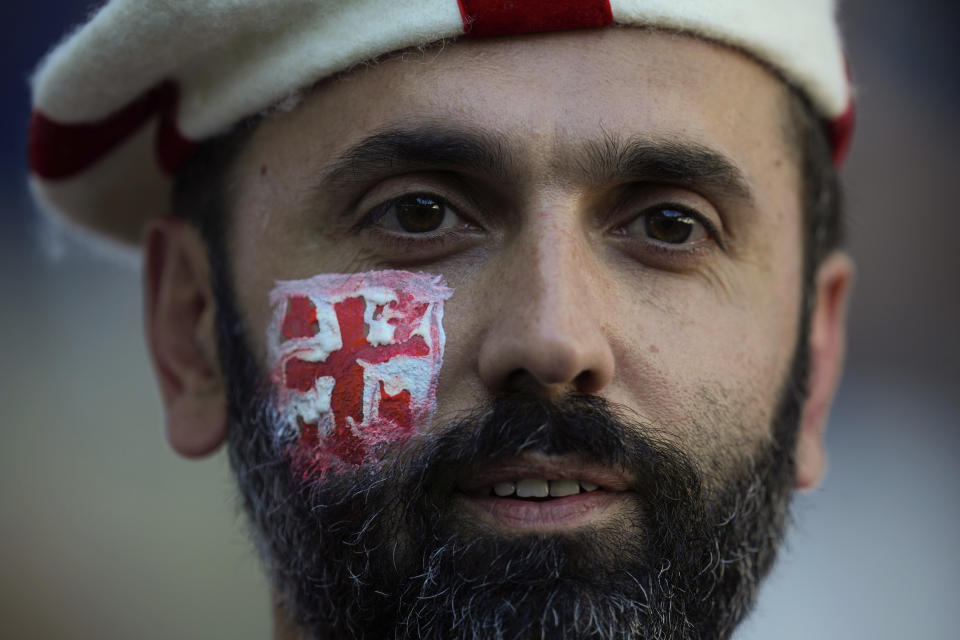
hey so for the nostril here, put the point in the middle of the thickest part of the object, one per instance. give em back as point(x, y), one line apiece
point(587, 382)
point(522, 381)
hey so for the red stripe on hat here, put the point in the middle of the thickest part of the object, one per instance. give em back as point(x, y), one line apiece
point(841, 132)
point(58, 150)
point(841, 128)
point(498, 18)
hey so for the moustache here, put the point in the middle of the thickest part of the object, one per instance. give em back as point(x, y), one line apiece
point(586, 428)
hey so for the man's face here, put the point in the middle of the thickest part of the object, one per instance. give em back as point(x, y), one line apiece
point(618, 215)
point(557, 279)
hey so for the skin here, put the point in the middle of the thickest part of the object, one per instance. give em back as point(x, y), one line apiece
point(557, 287)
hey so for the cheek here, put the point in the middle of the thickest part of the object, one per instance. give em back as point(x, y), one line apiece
point(708, 369)
point(354, 359)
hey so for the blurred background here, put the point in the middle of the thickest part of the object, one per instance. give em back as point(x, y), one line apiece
point(105, 533)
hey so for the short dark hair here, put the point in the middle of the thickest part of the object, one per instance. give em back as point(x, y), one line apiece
point(201, 191)
point(821, 196)
point(201, 187)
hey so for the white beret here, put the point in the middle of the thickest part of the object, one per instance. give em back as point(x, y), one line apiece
point(119, 105)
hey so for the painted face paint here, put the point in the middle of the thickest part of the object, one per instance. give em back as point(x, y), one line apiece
point(355, 358)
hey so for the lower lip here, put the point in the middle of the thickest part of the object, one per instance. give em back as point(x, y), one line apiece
point(556, 513)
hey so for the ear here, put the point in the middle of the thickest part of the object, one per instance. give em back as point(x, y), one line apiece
point(827, 349)
point(179, 315)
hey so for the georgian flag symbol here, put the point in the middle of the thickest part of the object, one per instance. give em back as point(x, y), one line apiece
point(355, 359)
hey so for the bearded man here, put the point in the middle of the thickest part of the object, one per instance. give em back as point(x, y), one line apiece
point(519, 319)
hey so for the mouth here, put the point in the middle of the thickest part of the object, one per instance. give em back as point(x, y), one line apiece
point(534, 494)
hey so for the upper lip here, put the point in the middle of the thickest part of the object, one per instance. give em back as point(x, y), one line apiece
point(480, 478)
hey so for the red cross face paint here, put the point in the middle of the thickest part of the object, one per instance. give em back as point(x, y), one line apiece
point(356, 359)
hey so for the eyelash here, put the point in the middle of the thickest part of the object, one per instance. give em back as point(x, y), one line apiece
point(406, 242)
point(709, 227)
point(381, 209)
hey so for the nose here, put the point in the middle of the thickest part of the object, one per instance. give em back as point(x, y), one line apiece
point(546, 332)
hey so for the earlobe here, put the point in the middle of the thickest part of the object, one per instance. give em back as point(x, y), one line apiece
point(179, 315)
point(827, 350)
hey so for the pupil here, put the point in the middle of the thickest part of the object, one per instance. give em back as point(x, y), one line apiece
point(419, 214)
point(669, 226)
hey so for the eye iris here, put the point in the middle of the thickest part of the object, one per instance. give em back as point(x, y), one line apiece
point(669, 226)
point(419, 214)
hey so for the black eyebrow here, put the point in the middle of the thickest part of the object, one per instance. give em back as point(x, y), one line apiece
point(612, 159)
point(671, 160)
point(399, 150)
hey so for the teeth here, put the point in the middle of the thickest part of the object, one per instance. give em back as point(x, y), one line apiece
point(540, 488)
point(565, 487)
point(533, 488)
point(503, 489)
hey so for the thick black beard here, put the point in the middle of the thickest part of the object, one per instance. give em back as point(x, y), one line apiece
point(385, 552)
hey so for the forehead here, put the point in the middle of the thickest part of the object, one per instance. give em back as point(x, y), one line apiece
point(544, 96)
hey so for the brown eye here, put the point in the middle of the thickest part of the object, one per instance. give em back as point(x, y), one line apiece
point(669, 226)
point(416, 216)
point(419, 213)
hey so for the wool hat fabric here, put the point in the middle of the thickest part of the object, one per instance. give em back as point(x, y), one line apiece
point(119, 105)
